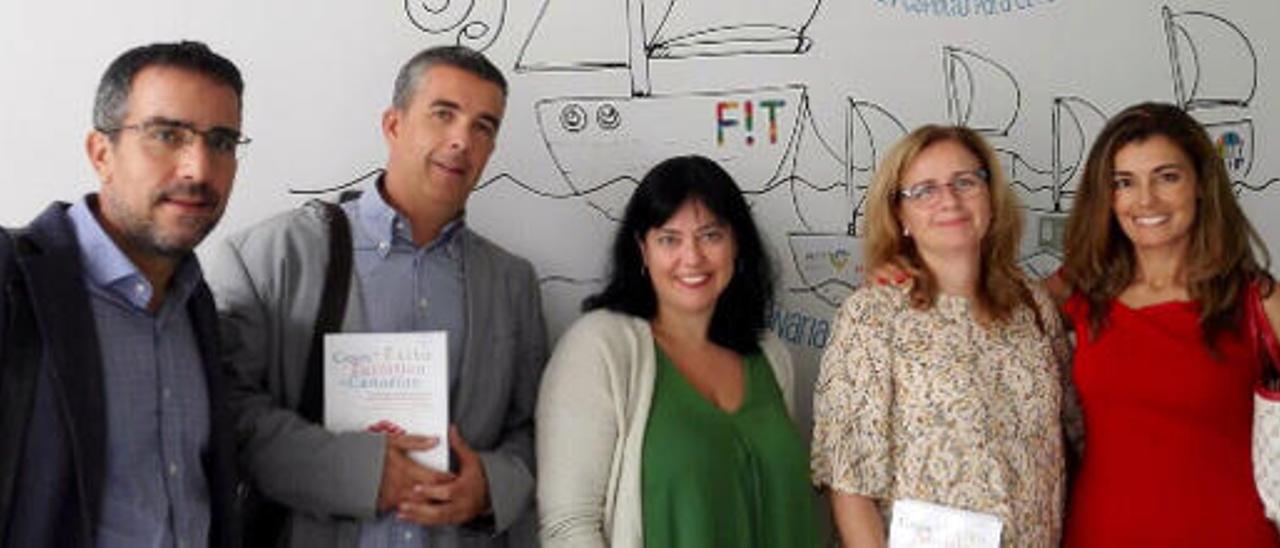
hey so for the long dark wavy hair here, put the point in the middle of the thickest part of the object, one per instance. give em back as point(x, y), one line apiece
point(1225, 252)
point(741, 311)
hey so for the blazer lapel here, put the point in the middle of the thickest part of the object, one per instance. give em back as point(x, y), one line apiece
point(61, 304)
point(476, 272)
point(219, 461)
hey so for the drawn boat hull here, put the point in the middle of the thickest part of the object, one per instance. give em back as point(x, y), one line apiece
point(829, 265)
point(603, 145)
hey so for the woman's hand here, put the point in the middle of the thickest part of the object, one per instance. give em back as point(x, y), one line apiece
point(888, 274)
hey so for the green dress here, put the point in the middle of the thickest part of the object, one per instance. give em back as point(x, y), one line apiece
point(710, 478)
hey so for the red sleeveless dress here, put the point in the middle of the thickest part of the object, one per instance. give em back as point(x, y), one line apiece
point(1167, 434)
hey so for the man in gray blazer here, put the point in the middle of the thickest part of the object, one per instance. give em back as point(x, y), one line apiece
point(415, 266)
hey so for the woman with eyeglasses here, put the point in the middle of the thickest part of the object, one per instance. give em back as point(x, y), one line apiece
point(946, 389)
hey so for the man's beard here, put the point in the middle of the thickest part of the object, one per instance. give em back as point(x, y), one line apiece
point(141, 233)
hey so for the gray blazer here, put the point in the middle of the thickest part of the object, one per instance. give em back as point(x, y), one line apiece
point(267, 282)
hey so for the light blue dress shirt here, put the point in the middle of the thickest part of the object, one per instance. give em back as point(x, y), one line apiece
point(407, 288)
point(155, 493)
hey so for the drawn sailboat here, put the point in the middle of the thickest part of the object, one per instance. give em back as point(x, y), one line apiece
point(1206, 52)
point(628, 34)
point(601, 143)
point(981, 94)
point(985, 96)
point(870, 130)
point(829, 264)
point(1215, 77)
point(1075, 123)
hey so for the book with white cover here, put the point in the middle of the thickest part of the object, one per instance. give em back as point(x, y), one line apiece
point(919, 524)
point(398, 377)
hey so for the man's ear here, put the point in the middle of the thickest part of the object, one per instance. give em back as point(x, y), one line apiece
point(99, 147)
point(391, 124)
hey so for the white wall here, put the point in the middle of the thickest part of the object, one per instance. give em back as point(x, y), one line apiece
point(319, 74)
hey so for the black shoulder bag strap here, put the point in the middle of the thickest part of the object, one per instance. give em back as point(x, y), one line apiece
point(265, 519)
point(333, 304)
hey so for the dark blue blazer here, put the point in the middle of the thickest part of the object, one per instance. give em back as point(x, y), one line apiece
point(52, 403)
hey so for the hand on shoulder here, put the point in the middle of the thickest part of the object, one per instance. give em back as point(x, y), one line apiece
point(1058, 288)
point(888, 274)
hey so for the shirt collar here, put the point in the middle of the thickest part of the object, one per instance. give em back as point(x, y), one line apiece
point(388, 228)
point(108, 268)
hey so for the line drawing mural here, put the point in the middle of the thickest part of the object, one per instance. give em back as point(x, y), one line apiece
point(1202, 47)
point(798, 99)
point(594, 142)
point(982, 94)
point(870, 130)
point(985, 95)
point(501, 177)
point(768, 138)
point(630, 36)
point(473, 23)
point(599, 143)
point(339, 187)
point(1074, 123)
point(602, 145)
point(828, 265)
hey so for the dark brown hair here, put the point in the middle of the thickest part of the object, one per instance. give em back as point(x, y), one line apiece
point(1225, 251)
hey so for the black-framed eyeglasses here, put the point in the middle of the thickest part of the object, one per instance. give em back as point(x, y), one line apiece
point(963, 184)
point(170, 136)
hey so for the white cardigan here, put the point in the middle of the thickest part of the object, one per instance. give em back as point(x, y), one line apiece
point(591, 415)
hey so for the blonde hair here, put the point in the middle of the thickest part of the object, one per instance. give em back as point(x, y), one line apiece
point(1002, 287)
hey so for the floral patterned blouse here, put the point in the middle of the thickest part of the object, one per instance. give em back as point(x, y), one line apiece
point(931, 405)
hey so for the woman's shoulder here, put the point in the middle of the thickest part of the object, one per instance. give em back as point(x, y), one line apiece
point(599, 340)
point(878, 297)
point(874, 304)
point(1043, 292)
point(606, 324)
point(774, 350)
point(1049, 306)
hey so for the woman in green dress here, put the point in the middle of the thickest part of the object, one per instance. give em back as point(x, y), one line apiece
point(664, 417)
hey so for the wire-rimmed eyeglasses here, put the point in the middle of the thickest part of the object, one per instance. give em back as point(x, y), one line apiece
point(963, 185)
point(164, 136)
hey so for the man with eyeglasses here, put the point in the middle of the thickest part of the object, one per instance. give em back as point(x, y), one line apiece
point(113, 419)
point(415, 266)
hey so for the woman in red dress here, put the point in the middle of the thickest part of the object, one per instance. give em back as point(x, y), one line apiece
point(1159, 256)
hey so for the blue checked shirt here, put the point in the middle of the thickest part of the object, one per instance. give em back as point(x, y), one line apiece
point(155, 492)
point(406, 288)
